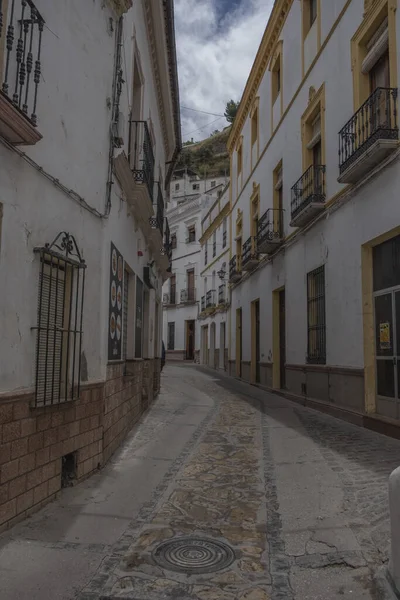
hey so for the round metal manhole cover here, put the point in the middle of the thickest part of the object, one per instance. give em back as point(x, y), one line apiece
point(193, 555)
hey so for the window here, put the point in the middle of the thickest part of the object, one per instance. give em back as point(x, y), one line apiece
point(254, 208)
point(191, 296)
point(239, 160)
point(173, 241)
point(254, 127)
point(171, 336)
point(224, 232)
point(59, 322)
point(213, 183)
point(316, 347)
point(313, 135)
point(214, 244)
point(313, 12)
point(206, 252)
point(278, 200)
point(172, 289)
point(196, 186)
point(177, 186)
point(276, 70)
point(191, 234)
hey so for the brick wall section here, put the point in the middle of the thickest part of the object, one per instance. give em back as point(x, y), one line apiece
point(33, 442)
point(122, 403)
point(148, 386)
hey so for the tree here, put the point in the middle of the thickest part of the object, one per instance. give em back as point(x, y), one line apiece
point(215, 132)
point(231, 110)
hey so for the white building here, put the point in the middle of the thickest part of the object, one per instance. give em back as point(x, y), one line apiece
point(89, 132)
point(214, 303)
point(315, 264)
point(187, 184)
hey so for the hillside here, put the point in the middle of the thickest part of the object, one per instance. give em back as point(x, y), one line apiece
point(209, 157)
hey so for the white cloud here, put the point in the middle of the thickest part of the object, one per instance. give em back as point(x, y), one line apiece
point(215, 59)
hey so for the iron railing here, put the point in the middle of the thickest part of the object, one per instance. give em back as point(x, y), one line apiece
point(222, 294)
point(141, 155)
point(167, 249)
point(310, 188)
point(22, 64)
point(249, 251)
point(235, 267)
point(157, 222)
point(224, 239)
point(375, 119)
point(210, 299)
point(203, 303)
point(270, 226)
point(188, 295)
point(316, 324)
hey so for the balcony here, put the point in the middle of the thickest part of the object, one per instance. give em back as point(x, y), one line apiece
point(308, 196)
point(157, 221)
point(270, 231)
point(222, 294)
point(210, 299)
point(250, 254)
point(235, 270)
point(188, 296)
point(21, 39)
point(203, 303)
point(371, 134)
point(142, 158)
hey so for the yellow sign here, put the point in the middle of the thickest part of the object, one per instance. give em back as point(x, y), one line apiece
point(384, 336)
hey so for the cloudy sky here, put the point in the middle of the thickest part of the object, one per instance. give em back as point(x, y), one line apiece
point(217, 41)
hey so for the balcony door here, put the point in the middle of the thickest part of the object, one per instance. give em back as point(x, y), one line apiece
point(190, 285)
point(379, 77)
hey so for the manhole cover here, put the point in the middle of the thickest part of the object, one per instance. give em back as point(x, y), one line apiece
point(193, 555)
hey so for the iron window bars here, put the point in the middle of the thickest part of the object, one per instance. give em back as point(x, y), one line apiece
point(234, 268)
point(222, 294)
point(270, 226)
point(157, 221)
point(22, 62)
point(141, 155)
point(316, 345)
point(210, 299)
point(203, 303)
point(375, 119)
point(310, 188)
point(171, 336)
point(59, 321)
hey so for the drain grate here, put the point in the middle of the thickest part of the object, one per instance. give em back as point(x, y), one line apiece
point(193, 555)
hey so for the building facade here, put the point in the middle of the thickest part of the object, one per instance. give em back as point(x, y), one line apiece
point(86, 155)
point(315, 221)
point(187, 184)
point(214, 302)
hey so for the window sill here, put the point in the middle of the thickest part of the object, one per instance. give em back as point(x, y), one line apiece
point(15, 127)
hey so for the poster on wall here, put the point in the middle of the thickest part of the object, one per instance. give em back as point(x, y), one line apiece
point(139, 319)
point(115, 305)
point(384, 336)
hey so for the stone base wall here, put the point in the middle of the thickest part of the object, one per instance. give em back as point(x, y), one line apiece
point(232, 368)
point(33, 441)
point(266, 374)
point(172, 355)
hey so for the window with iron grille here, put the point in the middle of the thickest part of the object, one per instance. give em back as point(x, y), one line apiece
point(224, 233)
point(191, 234)
point(171, 336)
point(125, 315)
point(214, 244)
point(59, 321)
point(173, 241)
point(206, 253)
point(316, 347)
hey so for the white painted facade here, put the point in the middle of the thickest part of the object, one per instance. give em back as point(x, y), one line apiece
point(75, 117)
point(354, 215)
point(186, 185)
point(214, 304)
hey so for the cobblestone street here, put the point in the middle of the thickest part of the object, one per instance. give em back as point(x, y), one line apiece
point(263, 499)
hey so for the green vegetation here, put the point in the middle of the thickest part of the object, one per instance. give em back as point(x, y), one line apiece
point(231, 110)
point(209, 157)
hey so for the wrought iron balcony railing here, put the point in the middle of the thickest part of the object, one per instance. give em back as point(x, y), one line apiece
point(203, 303)
point(235, 269)
point(141, 155)
point(308, 190)
point(22, 30)
point(188, 295)
point(210, 299)
point(167, 248)
point(224, 239)
point(157, 222)
point(375, 120)
point(222, 294)
point(270, 230)
point(250, 254)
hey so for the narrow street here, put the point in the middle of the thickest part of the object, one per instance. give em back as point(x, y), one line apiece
point(295, 501)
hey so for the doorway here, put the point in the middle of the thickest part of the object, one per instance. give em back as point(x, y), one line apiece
point(282, 339)
point(222, 346)
point(239, 342)
point(190, 340)
point(212, 346)
point(387, 348)
point(255, 341)
point(204, 345)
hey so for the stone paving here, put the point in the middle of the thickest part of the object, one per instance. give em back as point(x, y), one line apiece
point(299, 498)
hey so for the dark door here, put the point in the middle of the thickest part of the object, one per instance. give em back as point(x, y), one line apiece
point(257, 319)
point(190, 340)
point(282, 339)
point(379, 77)
point(387, 343)
point(190, 285)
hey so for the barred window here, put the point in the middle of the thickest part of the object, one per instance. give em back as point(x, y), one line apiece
point(59, 322)
point(171, 336)
point(316, 352)
point(224, 232)
point(214, 244)
point(206, 253)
